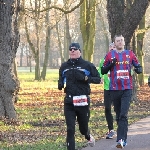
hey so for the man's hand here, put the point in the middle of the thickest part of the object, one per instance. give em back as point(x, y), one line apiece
point(138, 69)
point(113, 62)
point(60, 85)
point(79, 75)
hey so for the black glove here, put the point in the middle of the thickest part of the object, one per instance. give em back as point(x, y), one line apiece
point(138, 69)
point(79, 75)
point(149, 81)
point(113, 62)
point(60, 85)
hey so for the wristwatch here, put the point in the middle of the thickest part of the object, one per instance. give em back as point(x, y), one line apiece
point(86, 78)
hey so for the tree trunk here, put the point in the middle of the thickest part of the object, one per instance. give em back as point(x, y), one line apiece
point(30, 65)
point(37, 28)
point(104, 28)
point(35, 49)
point(87, 26)
point(140, 54)
point(29, 41)
point(8, 46)
point(60, 44)
point(35, 52)
point(21, 56)
point(37, 66)
point(67, 36)
point(47, 46)
point(135, 78)
point(125, 21)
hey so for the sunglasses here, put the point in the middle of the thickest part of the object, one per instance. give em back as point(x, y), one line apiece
point(73, 49)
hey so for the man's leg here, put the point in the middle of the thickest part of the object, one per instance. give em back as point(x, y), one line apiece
point(108, 114)
point(116, 96)
point(83, 115)
point(123, 118)
point(70, 117)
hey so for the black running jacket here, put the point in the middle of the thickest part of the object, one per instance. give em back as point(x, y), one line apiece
point(73, 77)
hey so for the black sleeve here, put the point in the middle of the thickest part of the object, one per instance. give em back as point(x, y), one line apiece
point(104, 70)
point(60, 80)
point(94, 76)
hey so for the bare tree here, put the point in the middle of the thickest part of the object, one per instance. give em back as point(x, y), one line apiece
point(36, 13)
point(9, 40)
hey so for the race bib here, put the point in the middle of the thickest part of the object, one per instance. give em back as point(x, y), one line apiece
point(80, 100)
point(122, 74)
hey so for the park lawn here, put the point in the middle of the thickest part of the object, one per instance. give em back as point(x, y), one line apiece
point(40, 113)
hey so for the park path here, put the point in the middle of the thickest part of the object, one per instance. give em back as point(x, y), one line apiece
point(138, 138)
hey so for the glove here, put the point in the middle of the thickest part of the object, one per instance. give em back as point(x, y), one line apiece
point(60, 85)
point(138, 69)
point(113, 62)
point(149, 81)
point(79, 75)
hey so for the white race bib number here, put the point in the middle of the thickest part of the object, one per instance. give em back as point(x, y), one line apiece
point(80, 100)
point(122, 74)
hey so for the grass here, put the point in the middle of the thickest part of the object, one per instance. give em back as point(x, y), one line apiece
point(40, 112)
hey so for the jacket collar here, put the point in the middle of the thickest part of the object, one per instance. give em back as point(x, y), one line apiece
point(75, 61)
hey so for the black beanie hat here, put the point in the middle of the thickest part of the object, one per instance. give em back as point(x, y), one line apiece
point(76, 45)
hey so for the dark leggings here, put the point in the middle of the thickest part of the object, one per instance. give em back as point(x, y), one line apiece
point(121, 101)
point(82, 113)
point(108, 104)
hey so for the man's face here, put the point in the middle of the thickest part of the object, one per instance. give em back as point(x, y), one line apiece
point(112, 47)
point(119, 43)
point(74, 53)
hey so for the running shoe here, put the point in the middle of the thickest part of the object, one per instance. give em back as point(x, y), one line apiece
point(110, 134)
point(91, 142)
point(120, 144)
point(124, 143)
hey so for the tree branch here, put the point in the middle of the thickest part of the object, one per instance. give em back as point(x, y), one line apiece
point(58, 8)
